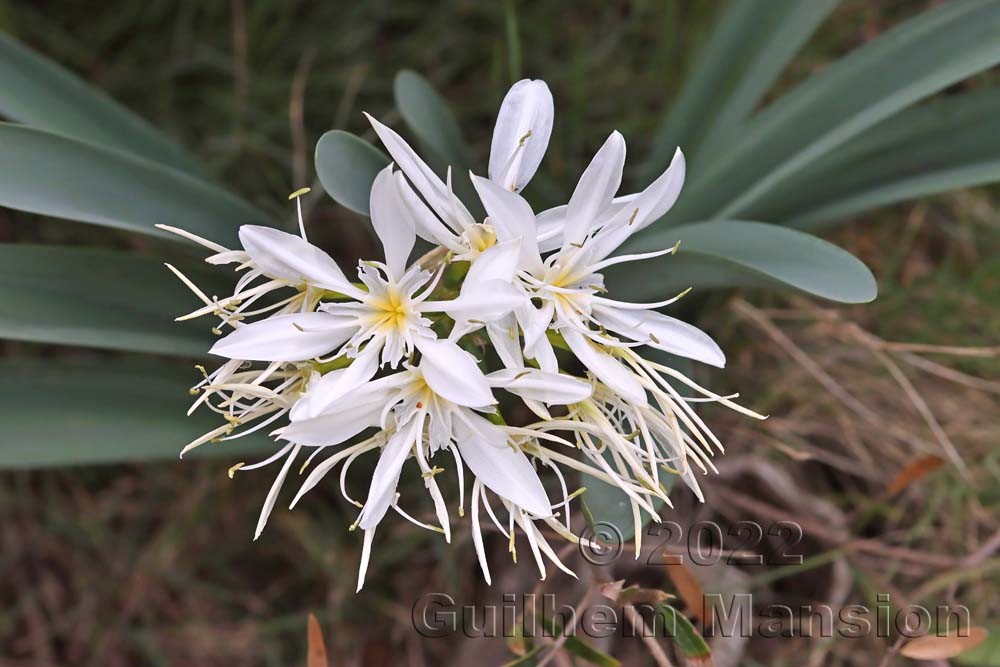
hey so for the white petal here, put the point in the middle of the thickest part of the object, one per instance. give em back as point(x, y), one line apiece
point(393, 222)
point(382, 492)
point(503, 336)
point(427, 183)
point(512, 218)
point(357, 411)
point(662, 332)
point(337, 384)
point(483, 302)
point(595, 190)
point(427, 225)
point(498, 262)
point(292, 337)
point(608, 370)
point(551, 388)
point(645, 209)
point(505, 471)
point(272, 494)
point(550, 222)
point(534, 323)
point(453, 374)
point(527, 108)
point(290, 257)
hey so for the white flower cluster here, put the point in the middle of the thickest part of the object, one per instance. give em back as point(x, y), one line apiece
point(395, 363)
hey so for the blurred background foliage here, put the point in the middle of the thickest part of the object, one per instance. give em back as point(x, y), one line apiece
point(151, 565)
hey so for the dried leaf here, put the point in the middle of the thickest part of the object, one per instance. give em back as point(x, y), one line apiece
point(316, 655)
point(911, 473)
point(689, 590)
point(934, 647)
point(633, 594)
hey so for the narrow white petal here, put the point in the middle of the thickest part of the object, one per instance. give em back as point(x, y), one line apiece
point(427, 183)
point(608, 370)
point(290, 257)
point(498, 262)
point(504, 470)
point(512, 218)
point(453, 374)
point(427, 225)
point(503, 335)
point(393, 222)
point(335, 426)
point(382, 492)
point(595, 190)
point(550, 222)
point(292, 337)
point(551, 388)
point(645, 209)
point(662, 332)
point(337, 384)
point(521, 135)
point(272, 494)
point(484, 302)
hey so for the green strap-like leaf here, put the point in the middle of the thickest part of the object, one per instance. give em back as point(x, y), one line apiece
point(742, 254)
point(747, 50)
point(947, 143)
point(60, 412)
point(901, 67)
point(347, 166)
point(677, 627)
point(429, 117)
point(53, 175)
point(40, 93)
point(99, 298)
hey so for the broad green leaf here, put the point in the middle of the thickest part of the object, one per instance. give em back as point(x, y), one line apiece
point(100, 298)
point(738, 254)
point(918, 58)
point(676, 626)
point(750, 45)
point(429, 117)
point(947, 143)
point(347, 166)
point(53, 175)
point(40, 93)
point(60, 412)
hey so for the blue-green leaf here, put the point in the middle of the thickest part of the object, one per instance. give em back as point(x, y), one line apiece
point(742, 254)
point(53, 175)
point(747, 50)
point(99, 298)
point(948, 143)
point(429, 117)
point(40, 93)
point(918, 58)
point(347, 166)
point(60, 412)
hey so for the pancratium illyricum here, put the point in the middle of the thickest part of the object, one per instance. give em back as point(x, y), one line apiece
point(396, 362)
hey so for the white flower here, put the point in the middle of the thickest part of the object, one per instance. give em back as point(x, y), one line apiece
point(520, 138)
point(421, 410)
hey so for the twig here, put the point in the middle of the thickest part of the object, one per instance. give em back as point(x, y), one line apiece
point(648, 638)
